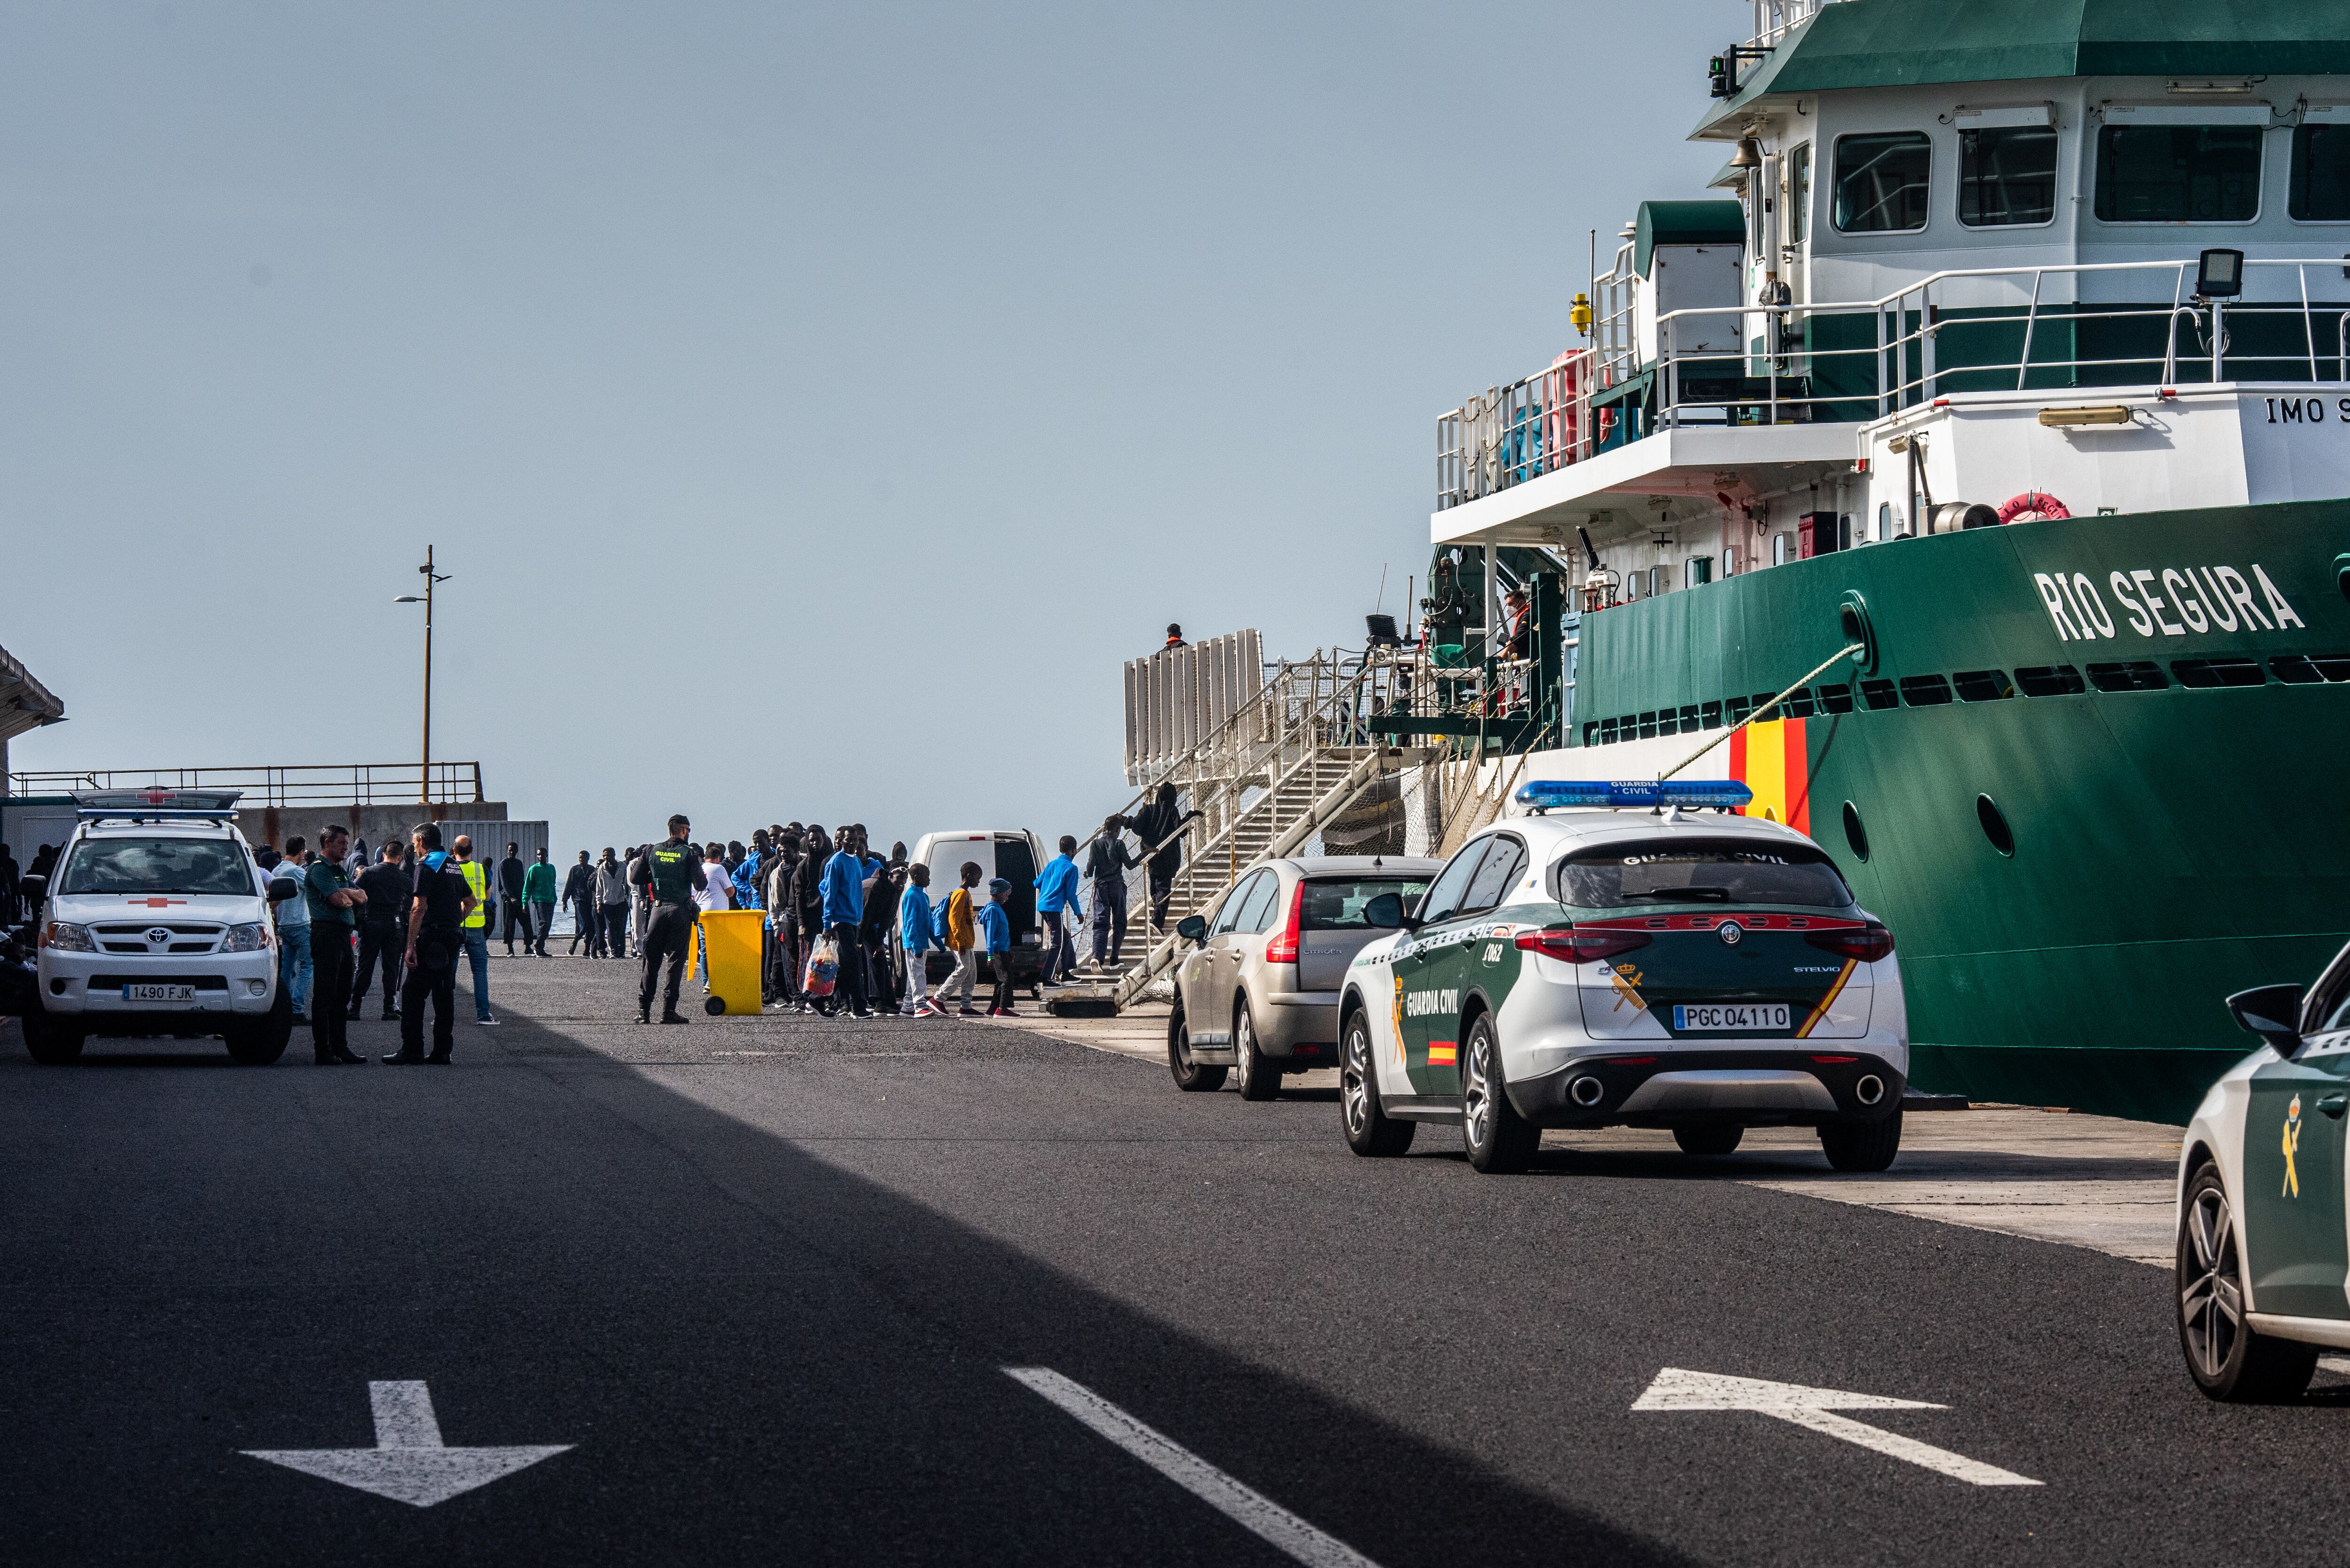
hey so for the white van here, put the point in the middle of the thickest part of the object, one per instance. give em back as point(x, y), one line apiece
point(1014, 854)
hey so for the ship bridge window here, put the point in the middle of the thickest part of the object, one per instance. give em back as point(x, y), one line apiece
point(2050, 680)
point(1983, 685)
point(2204, 674)
point(1836, 698)
point(1879, 695)
point(2308, 669)
point(1710, 715)
point(1798, 704)
point(2179, 173)
point(2320, 191)
point(2133, 675)
point(2007, 176)
point(1881, 181)
point(1925, 691)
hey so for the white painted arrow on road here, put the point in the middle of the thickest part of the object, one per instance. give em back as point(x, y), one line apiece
point(1676, 1389)
point(409, 1462)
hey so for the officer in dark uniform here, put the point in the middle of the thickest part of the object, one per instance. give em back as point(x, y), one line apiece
point(673, 871)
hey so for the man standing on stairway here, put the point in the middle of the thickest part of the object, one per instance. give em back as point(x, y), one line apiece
point(1160, 825)
point(1107, 864)
point(670, 871)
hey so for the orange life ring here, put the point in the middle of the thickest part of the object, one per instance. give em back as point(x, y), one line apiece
point(2035, 504)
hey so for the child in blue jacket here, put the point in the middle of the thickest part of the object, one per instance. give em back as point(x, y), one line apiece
point(995, 931)
point(915, 938)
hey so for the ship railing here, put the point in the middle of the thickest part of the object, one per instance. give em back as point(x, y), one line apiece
point(1774, 20)
point(2064, 328)
point(1830, 362)
point(282, 784)
point(1507, 435)
point(1510, 433)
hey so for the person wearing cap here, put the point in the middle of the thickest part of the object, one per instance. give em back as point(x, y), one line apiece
point(1174, 639)
point(671, 874)
point(995, 930)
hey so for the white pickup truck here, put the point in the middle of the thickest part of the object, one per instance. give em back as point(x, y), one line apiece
point(157, 923)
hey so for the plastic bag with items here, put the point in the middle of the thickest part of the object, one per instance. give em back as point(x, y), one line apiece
point(822, 969)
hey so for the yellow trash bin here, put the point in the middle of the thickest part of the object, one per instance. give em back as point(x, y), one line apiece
point(731, 946)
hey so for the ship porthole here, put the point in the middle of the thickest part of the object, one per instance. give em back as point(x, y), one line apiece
point(1994, 825)
point(1855, 833)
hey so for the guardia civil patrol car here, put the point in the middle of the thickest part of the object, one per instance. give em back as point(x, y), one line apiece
point(2263, 1255)
point(1617, 958)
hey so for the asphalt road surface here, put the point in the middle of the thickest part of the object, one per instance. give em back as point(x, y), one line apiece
point(764, 1278)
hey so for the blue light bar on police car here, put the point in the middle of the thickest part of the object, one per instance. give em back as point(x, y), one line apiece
point(1544, 794)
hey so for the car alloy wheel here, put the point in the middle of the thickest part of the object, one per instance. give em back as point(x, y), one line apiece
point(1477, 1092)
point(1369, 1130)
point(2210, 1300)
point(1495, 1137)
point(1353, 1081)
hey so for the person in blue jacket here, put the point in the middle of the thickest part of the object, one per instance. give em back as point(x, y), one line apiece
point(1056, 904)
point(844, 913)
point(916, 937)
point(995, 933)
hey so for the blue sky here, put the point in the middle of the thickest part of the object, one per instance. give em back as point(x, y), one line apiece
point(813, 405)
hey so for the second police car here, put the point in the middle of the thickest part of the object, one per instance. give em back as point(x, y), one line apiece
point(2263, 1248)
point(1650, 967)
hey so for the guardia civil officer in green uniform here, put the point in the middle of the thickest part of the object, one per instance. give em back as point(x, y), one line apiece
point(673, 871)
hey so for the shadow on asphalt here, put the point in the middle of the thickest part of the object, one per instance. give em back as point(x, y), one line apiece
point(761, 1356)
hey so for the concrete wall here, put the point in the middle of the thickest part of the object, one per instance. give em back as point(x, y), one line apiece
point(272, 825)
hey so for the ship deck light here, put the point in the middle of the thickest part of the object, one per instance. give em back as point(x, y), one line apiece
point(2219, 274)
point(1632, 795)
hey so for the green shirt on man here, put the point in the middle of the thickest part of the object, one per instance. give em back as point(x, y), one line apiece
point(321, 879)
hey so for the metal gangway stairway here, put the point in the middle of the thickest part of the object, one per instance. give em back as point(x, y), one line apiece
point(1282, 765)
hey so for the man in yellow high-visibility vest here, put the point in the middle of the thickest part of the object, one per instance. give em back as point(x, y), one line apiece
point(476, 930)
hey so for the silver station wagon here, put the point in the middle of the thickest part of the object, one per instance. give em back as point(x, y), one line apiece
point(1258, 995)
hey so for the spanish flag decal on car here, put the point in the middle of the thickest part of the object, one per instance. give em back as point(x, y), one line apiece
point(1442, 1053)
point(1820, 1010)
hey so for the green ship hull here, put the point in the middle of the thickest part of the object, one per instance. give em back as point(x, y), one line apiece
point(2172, 832)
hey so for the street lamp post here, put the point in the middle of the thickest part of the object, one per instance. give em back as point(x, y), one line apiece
point(430, 577)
